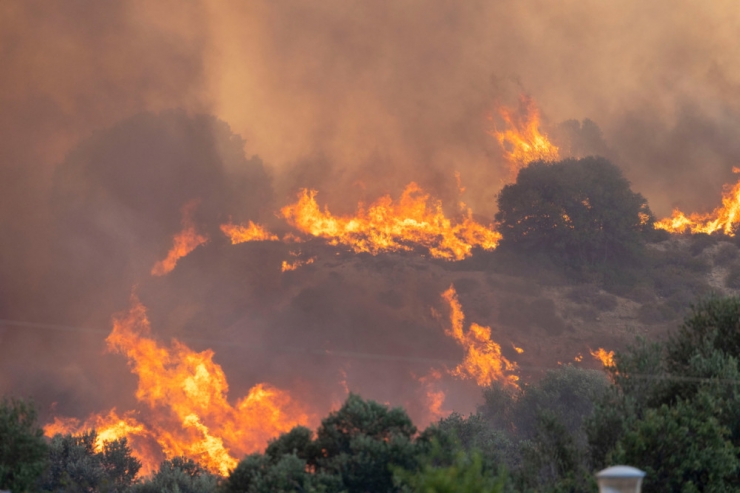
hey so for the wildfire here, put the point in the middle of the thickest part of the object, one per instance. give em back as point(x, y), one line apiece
point(289, 266)
point(186, 408)
point(415, 220)
point(483, 360)
point(606, 357)
point(435, 397)
point(240, 234)
point(723, 218)
point(184, 242)
point(522, 140)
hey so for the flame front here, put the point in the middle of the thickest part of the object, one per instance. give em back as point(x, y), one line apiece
point(415, 220)
point(522, 140)
point(242, 234)
point(483, 360)
point(187, 412)
point(184, 242)
point(606, 357)
point(723, 218)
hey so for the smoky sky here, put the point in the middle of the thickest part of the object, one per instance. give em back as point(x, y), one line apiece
point(114, 115)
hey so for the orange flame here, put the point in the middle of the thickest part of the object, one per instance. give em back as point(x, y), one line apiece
point(187, 412)
point(415, 220)
point(435, 397)
point(483, 360)
point(289, 266)
point(606, 357)
point(723, 218)
point(238, 233)
point(184, 242)
point(522, 140)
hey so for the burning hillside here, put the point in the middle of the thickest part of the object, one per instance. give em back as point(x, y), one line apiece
point(275, 181)
point(184, 409)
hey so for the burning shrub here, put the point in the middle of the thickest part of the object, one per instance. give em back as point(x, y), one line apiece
point(581, 212)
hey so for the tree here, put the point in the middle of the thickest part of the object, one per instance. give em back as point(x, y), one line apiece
point(354, 450)
point(179, 475)
point(76, 466)
point(581, 211)
point(466, 474)
point(22, 445)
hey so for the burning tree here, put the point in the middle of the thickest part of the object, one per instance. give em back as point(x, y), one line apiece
point(579, 211)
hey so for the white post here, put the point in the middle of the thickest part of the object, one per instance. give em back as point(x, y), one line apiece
point(620, 479)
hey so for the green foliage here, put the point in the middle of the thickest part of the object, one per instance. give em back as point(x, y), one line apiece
point(681, 448)
point(22, 446)
point(75, 466)
point(258, 473)
point(179, 475)
point(354, 450)
point(466, 474)
point(581, 212)
point(553, 460)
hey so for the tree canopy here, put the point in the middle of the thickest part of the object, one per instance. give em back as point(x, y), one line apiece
point(581, 211)
point(22, 446)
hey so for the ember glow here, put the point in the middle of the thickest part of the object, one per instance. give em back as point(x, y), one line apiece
point(606, 357)
point(184, 242)
point(483, 361)
point(241, 234)
point(415, 220)
point(185, 407)
point(522, 140)
point(290, 266)
point(723, 219)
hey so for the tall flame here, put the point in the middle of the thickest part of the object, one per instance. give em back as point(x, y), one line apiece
point(415, 220)
point(606, 357)
point(184, 242)
point(186, 408)
point(241, 234)
point(522, 140)
point(483, 360)
point(723, 218)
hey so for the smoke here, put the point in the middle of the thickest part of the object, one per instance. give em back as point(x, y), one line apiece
point(113, 117)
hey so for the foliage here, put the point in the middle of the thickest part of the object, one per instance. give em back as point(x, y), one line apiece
point(581, 212)
point(75, 465)
point(354, 450)
point(681, 448)
point(179, 475)
point(22, 446)
point(466, 474)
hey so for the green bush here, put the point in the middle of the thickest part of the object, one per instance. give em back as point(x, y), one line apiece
point(22, 446)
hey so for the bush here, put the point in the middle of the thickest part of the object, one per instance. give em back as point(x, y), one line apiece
point(726, 254)
point(179, 475)
point(22, 446)
point(732, 279)
point(75, 465)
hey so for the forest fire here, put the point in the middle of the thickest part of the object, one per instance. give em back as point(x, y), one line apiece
point(415, 220)
point(186, 408)
point(522, 140)
point(242, 234)
point(290, 266)
point(184, 242)
point(606, 357)
point(722, 219)
point(483, 361)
